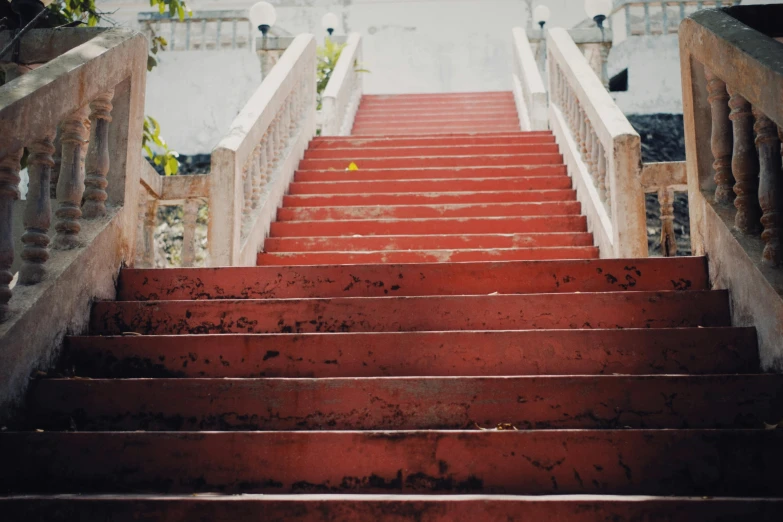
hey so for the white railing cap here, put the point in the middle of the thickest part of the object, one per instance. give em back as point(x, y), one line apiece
point(343, 66)
point(609, 121)
point(532, 76)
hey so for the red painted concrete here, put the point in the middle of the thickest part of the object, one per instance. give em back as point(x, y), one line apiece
point(424, 242)
point(422, 141)
point(432, 129)
point(431, 313)
point(490, 225)
point(412, 403)
point(487, 353)
point(417, 152)
point(513, 277)
point(536, 158)
point(427, 198)
point(557, 208)
point(431, 173)
point(656, 462)
point(426, 256)
point(434, 185)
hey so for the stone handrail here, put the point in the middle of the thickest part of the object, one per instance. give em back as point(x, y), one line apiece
point(600, 148)
point(649, 17)
point(189, 192)
point(83, 109)
point(340, 99)
point(529, 91)
point(254, 163)
point(664, 179)
point(732, 78)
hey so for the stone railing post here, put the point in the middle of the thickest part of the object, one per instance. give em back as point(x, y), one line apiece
point(9, 192)
point(98, 161)
point(70, 183)
point(38, 210)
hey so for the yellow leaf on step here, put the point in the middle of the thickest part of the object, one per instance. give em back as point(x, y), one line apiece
point(352, 166)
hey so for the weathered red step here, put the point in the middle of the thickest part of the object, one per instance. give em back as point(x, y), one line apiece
point(423, 242)
point(472, 225)
point(419, 403)
point(431, 151)
point(432, 130)
point(427, 198)
point(395, 117)
point(391, 508)
point(426, 256)
point(433, 161)
point(434, 185)
point(507, 118)
point(423, 141)
point(653, 462)
point(431, 313)
point(554, 208)
point(511, 277)
point(530, 352)
point(430, 173)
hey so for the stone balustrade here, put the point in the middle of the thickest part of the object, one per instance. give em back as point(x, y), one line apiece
point(342, 95)
point(732, 78)
point(254, 163)
point(655, 17)
point(529, 91)
point(203, 30)
point(191, 193)
point(78, 113)
point(600, 148)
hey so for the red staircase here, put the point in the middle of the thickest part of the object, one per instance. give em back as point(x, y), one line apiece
point(431, 337)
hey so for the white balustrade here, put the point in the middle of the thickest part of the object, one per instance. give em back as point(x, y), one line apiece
point(341, 97)
point(656, 17)
point(202, 30)
point(254, 163)
point(529, 91)
point(600, 148)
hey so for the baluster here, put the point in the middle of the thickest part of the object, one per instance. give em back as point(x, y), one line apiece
point(9, 192)
point(583, 131)
point(588, 154)
point(293, 120)
point(682, 11)
point(602, 181)
point(189, 217)
point(647, 27)
point(270, 154)
point(279, 145)
point(744, 166)
point(38, 211)
point(173, 27)
point(70, 185)
point(608, 181)
point(768, 139)
point(149, 223)
point(666, 202)
point(627, 11)
point(247, 192)
point(187, 34)
point(234, 33)
point(255, 170)
point(203, 35)
point(699, 5)
point(98, 157)
point(218, 44)
point(57, 158)
point(594, 144)
point(664, 19)
point(721, 139)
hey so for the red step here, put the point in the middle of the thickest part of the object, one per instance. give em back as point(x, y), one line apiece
point(426, 256)
point(487, 225)
point(431, 185)
point(649, 462)
point(417, 152)
point(430, 313)
point(432, 129)
point(424, 242)
point(557, 208)
point(529, 352)
point(392, 508)
point(512, 277)
point(430, 173)
point(427, 198)
point(411, 403)
point(537, 158)
point(352, 142)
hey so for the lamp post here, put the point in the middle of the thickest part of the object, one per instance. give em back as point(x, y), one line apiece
point(541, 16)
point(330, 22)
point(263, 16)
point(599, 10)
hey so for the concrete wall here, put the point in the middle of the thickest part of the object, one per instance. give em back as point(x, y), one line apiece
point(409, 45)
